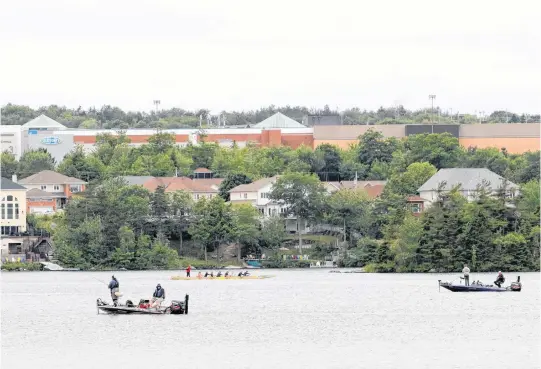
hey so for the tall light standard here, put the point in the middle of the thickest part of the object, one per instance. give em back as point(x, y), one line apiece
point(157, 103)
point(432, 97)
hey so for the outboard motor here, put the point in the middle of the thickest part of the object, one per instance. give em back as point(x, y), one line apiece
point(177, 307)
point(516, 286)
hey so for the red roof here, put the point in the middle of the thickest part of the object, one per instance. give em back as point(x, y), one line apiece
point(202, 170)
point(172, 184)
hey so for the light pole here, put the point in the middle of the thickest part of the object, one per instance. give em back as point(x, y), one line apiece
point(157, 103)
point(432, 97)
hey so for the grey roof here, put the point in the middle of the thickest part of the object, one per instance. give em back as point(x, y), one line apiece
point(8, 184)
point(50, 177)
point(136, 180)
point(43, 121)
point(36, 192)
point(279, 120)
point(467, 178)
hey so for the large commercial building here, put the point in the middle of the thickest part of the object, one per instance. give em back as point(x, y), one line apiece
point(277, 130)
point(516, 138)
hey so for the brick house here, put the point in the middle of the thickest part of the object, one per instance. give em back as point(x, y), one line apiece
point(50, 191)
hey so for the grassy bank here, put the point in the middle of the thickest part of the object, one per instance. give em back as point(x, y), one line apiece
point(10, 267)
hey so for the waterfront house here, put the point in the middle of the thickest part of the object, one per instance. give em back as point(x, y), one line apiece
point(50, 191)
point(198, 188)
point(469, 180)
point(13, 217)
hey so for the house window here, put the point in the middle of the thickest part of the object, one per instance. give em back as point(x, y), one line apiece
point(9, 198)
point(3, 211)
point(43, 187)
point(75, 188)
point(16, 210)
point(9, 211)
point(197, 196)
point(56, 188)
point(416, 208)
point(245, 195)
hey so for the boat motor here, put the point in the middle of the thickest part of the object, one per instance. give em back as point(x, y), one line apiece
point(516, 286)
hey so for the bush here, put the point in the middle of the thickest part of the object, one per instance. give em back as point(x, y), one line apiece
point(283, 264)
point(22, 266)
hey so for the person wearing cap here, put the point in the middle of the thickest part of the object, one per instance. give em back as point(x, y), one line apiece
point(114, 287)
point(157, 297)
point(466, 272)
point(500, 279)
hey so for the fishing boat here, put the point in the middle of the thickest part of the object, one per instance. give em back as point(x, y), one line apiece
point(222, 278)
point(176, 307)
point(480, 287)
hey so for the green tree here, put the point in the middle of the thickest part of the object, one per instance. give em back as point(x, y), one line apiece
point(407, 242)
point(441, 150)
point(79, 165)
point(231, 181)
point(34, 161)
point(373, 146)
point(273, 232)
point(8, 164)
point(302, 196)
point(244, 225)
point(408, 182)
point(350, 209)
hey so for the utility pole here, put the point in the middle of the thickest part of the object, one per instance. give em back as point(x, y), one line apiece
point(432, 97)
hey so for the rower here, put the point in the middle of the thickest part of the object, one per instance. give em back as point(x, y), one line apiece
point(206, 274)
point(199, 275)
point(219, 274)
point(226, 274)
point(246, 274)
point(240, 274)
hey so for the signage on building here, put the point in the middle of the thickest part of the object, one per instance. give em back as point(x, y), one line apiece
point(50, 140)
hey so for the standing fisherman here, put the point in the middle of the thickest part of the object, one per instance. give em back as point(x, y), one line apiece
point(466, 272)
point(188, 270)
point(114, 286)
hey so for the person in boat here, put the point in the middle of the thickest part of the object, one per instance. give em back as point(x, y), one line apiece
point(157, 297)
point(211, 274)
point(219, 274)
point(114, 287)
point(466, 272)
point(500, 279)
point(199, 275)
point(226, 275)
point(246, 274)
point(188, 270)
point(240, 274)
point(206, 274)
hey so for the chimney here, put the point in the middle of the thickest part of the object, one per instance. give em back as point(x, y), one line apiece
point(14, 178)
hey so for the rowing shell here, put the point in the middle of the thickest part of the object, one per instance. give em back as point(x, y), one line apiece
point(180, 278)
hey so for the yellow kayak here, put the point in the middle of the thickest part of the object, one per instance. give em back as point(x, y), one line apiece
point(222, 278)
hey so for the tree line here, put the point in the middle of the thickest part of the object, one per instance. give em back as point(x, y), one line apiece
point(112, 117)
point(114, 224)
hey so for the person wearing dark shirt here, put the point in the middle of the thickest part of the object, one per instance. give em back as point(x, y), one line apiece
point(114, 288)
point(499, 280)
point(157, 297)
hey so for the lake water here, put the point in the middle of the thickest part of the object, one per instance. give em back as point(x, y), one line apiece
point(299, 319)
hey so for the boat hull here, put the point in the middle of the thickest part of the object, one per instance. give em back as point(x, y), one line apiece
point(176, 308)
point(477, 288)
point(181, 278)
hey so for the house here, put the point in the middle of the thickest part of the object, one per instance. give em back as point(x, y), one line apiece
point(416, 204)
point(469, 179)
point(373, 188)
point(198, 188)
point(13, 218)
point(13, 207)
point(50, 191)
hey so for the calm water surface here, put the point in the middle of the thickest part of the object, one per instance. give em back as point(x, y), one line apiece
point(300, 319)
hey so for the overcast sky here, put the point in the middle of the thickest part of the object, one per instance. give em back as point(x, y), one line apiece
point(473, 55)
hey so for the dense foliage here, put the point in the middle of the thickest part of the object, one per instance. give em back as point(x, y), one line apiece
point(113, 117)
point(113, 224)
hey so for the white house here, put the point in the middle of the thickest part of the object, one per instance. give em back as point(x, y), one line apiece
point(469, 179)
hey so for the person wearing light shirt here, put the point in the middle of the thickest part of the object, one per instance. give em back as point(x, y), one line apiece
point(466, 272)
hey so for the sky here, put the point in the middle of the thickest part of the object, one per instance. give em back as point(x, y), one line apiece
point(474, 55)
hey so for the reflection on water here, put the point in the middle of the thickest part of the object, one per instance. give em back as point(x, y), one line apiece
point(300, 319)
